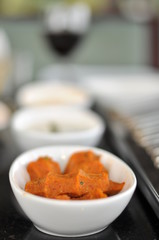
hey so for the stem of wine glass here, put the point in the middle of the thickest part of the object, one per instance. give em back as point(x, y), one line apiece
point(66, 70)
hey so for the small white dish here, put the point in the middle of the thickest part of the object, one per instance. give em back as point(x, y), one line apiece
point(118, 91)
point(71, 218)
point(72, 126)
point(52, 93)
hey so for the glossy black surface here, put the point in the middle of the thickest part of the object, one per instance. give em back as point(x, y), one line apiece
point(138, 221)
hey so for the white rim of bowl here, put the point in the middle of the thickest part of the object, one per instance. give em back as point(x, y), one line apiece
point(85, 102)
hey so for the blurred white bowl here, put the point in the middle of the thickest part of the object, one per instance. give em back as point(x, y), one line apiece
point(49, 93)
point(41, 126)
point(125, 93)
point(71, 218)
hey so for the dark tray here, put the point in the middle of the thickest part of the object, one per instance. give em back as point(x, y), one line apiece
point(138, 221)
point(147, 174)
point(125, 147)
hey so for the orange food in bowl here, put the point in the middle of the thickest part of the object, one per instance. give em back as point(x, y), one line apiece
point(84, 178)
point(87, 161)
point(42, 167)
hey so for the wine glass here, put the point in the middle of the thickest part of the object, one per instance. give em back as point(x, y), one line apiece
point(65, 25)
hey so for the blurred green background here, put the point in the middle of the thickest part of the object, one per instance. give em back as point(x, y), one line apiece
point(112, 39)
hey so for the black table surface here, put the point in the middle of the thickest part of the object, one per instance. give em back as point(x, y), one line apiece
point(137, 221)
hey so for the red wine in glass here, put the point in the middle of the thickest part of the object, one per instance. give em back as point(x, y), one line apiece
point(63, 42)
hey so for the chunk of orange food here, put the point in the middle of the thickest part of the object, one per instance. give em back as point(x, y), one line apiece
point(63, 197)
point(114, 188)
point(86, 161)
point(41, 167)
point(36, 187)
point(74, 184)
point(93, 194)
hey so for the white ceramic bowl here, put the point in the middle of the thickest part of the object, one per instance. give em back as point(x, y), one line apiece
point(71, 218)
point(123, 91)
point(85, 127)
point(42, 93)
